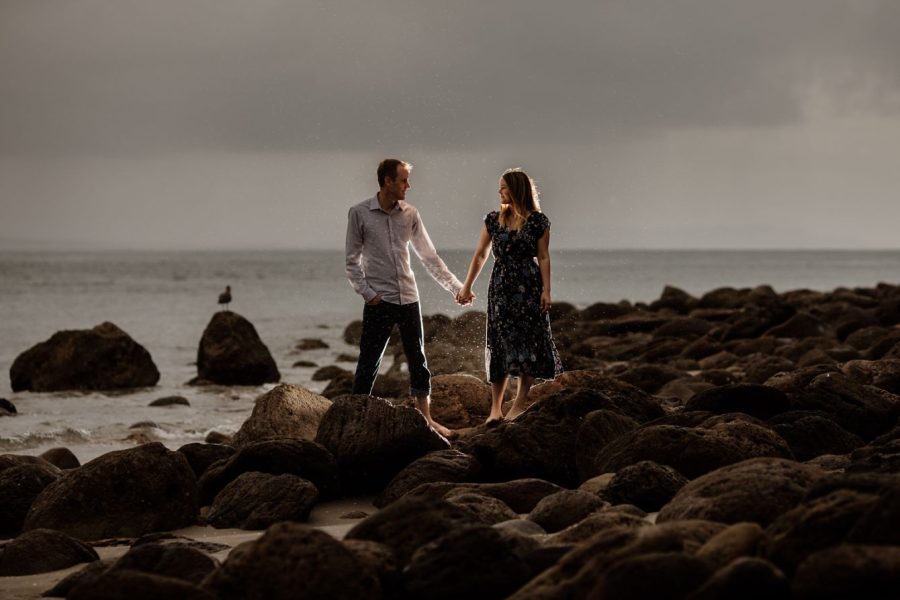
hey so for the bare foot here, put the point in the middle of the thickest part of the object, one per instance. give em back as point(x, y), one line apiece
point(447, 433)
point(494, 421)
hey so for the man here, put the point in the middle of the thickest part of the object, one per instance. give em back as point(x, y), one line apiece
point(379, 232)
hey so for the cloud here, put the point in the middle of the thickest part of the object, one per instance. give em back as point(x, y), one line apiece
point(112, 78)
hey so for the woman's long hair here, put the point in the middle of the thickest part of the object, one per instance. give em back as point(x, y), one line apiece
point(525, 199)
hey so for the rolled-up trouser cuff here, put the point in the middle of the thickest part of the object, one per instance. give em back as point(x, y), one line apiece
point(418, 393)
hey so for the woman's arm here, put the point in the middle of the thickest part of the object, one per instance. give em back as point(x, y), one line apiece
point(543, 256)
point(478, 259)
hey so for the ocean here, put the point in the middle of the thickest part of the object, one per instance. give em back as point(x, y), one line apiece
point(165, 299)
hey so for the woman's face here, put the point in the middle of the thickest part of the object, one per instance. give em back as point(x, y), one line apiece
point(505, 198)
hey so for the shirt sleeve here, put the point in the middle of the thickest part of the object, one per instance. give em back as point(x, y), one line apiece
point(436, 267)
point(354, 245)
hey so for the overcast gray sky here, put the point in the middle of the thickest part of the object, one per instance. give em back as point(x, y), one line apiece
point(205, 124)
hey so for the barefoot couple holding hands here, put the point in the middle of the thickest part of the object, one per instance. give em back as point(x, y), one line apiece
point(518, 341)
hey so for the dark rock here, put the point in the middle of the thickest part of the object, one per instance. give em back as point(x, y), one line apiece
point(19, 486)
point(216, 437)
point(62, 458)
point(817, 523)
point(762, 345)
point(732, 543)
point(811, 434)
point(43, 550)
point(760, 367)
point(302, 458)
point(604, 310)
point(287, 411)
point(884, 374)
point(257, 500)
point(719, 360)
point(291, 561)
point(658, 575)
point(683, 327)
point(353, 333)
point(340, 385)
point(883, 458)
point(231, 353)
point(662, 350)
point(8, 461)
point(177, 560)
point(675, 299)
point(201, 456)
point(701, 348)
point(328, 373)
point(650, 378)
point(683, 389)
point(124, 493)
point(756, 400)
point(304, 363)
point(143, 424)
point(372, 441)
point(102, 358)
point(719, 377)
point(522, 495)
point(747, 578)
point(346, 357)
point(562, 509)
point(757, 490)
point(310, 344)
point(540, 443)
point(379, 564)
point(600, 521)
point(442, 465)
point(454, 566)
point(813, 347)
point(409, 523)
point(91, 571)
point(115, 584)
point(7, 408)
point(613, 394)
point(696, 450)
point(849, 571)
point(865, 338)
point(801, 325)
point(816, 356)
point(171, 401)
point(483, 508)
point(866, 411)
point(598, 429)
point(645, 484)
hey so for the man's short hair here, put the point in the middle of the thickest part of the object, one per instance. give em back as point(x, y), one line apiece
point(388, 168)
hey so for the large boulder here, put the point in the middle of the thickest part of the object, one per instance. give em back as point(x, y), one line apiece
point(257, 500)
point(752, 399)
point(567, 507)
point(292, 561)
point(201, 456)
point(231, 353)
point(372, 440)
point(521, 495)
point(540, 443)
point(813, 433)
point(102, 358)
point(287, 411)
point(302, 458)
point(136, 585)
point(442, 465)
point(694, 451)
point(42, 550)
point(598, 429)
point(619, 396)
point(125, 493)
point(757, 490)
point(19, 486)
point(409, 523)
point(645, 484)
point(849, 571)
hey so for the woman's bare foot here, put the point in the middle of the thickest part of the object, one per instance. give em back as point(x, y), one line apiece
point(516, 410)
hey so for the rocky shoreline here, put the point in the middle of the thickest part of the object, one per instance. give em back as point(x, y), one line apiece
point(742, 444)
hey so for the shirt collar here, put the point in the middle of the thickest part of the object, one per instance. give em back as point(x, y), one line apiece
point(374, 205)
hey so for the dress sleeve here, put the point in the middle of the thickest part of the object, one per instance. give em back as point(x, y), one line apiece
point(489, 221)
point(540, 224)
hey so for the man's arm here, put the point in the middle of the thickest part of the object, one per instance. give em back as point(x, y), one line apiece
point(424, 249)
point(354, 246)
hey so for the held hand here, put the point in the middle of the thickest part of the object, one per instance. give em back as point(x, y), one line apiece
point(375, 300)
point(465, 297)
point(545, 301)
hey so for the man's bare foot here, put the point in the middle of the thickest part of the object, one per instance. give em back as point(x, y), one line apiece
point(447, 433)
point(494, 421)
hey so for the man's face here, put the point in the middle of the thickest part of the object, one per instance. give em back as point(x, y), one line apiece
point(397, 187)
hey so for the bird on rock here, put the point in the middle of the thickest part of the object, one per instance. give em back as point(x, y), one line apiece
point(225, 297)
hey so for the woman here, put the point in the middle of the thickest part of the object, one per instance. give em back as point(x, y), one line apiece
point(518, 341)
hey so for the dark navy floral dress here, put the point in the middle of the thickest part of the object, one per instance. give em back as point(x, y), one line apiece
point(519, 341)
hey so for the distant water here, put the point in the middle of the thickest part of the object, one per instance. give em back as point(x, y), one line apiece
point(165, 300)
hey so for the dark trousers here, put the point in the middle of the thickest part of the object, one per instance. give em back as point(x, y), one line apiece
point(378, 322)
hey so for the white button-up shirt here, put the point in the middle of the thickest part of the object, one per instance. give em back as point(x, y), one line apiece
point(378, 252)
